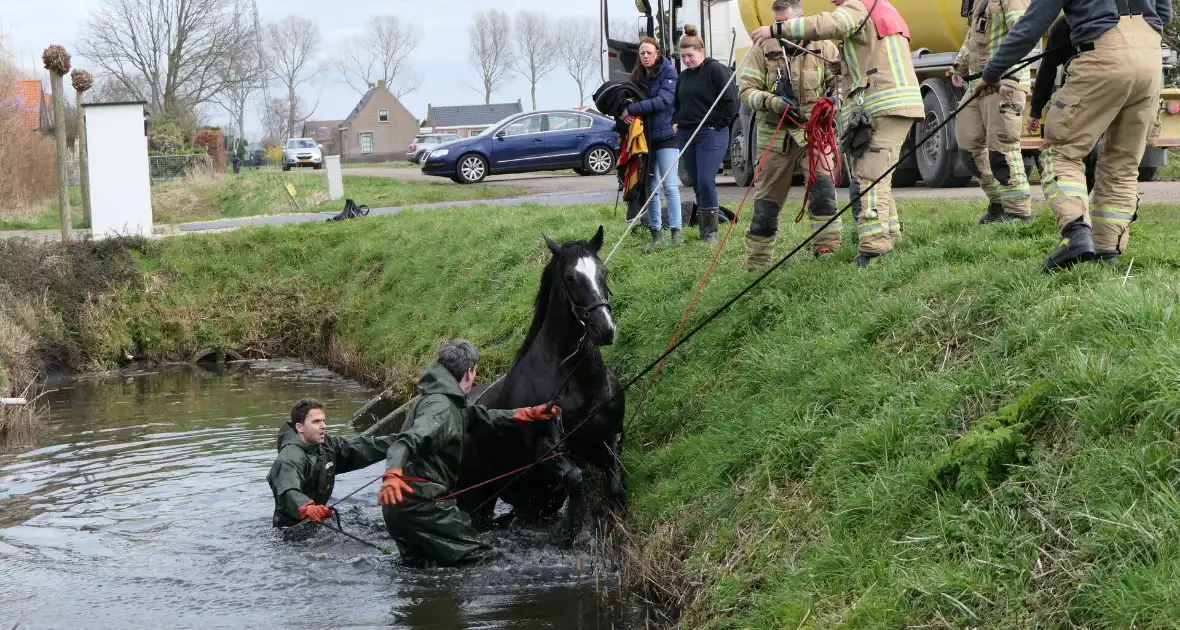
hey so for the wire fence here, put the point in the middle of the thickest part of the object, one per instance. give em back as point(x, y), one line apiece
point(162, 168)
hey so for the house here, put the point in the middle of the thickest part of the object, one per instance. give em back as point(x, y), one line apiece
point(379, 128)
point(324, 132)
point(468, 120)
point(31, 105)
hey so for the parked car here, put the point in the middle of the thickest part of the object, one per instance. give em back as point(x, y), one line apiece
point(421, 145)
point(535, 141)
point(300, 152)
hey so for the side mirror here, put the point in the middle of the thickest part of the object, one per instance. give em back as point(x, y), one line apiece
point(500, 134)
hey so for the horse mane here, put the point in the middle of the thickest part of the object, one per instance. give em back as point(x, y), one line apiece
point(549, 280)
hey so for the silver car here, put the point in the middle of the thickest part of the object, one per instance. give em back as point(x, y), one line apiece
point(423, 144)
point(300, 152)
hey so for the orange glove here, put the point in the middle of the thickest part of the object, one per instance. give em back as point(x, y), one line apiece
point(532, 414)
point(393, 486)
point(313, 511)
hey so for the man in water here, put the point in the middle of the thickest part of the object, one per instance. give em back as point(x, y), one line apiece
point(425, 458)
point(309, 459)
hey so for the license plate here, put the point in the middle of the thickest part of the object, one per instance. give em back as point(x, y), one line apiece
point(304, 159)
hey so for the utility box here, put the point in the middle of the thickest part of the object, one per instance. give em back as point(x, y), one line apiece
point(120, 177)
point(335, 178)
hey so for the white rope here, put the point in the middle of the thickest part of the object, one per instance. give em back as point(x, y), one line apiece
point(660, 183)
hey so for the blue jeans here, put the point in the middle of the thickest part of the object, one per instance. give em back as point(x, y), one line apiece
point(665, 162)
point(703, 159)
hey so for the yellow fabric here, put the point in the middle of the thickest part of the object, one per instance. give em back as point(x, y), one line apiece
point(634, 146)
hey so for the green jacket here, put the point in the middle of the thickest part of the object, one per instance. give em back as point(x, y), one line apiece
point(431, 444)
point(304, 472)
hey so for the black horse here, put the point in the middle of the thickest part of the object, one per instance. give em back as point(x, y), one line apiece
point(558, 362)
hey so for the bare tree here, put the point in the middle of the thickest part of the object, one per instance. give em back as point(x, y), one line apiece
point(381, 54)
point(169, 53)
point(244, 73)
point(579, 51)
point(276, 117)
point(291, 47)
point(491, 49)
point(535, 49)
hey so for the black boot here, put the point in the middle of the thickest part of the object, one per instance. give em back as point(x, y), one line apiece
point(657, 237)
point(1077, 245)
point(1109, 258)
point(864, 259)
point(676, 240)
point(708, 219)
point(995, 213)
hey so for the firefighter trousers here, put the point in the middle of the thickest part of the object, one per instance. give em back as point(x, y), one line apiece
point(1113, 89)
point(877, 223)
point(770, 195)
point(989, 129)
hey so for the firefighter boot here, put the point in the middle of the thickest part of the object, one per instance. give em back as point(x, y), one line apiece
point(1077, 245)
point(759, 252)
point(994, 214)
point(657, 237)
point(864, 259)
point(708, 219)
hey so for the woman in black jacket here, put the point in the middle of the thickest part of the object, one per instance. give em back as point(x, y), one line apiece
point(699, 85)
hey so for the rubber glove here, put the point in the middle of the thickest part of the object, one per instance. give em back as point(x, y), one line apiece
point(393, 487)
point(314, 511)
point(532, 414)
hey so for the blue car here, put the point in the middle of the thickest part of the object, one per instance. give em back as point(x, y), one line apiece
point(536, 141)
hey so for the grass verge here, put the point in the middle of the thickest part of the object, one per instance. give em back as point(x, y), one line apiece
point(950, 439)
point(253, 192)
point(398, 164)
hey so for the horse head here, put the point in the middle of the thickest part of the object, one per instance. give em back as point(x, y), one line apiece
point(580, 277)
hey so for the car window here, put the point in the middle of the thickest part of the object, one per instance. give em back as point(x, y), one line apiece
point(562, 122)
point(300, 144)
point(528, 124)
point(417, 139)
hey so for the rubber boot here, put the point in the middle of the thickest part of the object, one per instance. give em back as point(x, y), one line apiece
point(823, 252)
point(1077, 245)
point(676, 239)
point(1108, 258)
point(864, 259)
point(759, 252)
point(657, 237)
point(995, 213)
point(708, 224)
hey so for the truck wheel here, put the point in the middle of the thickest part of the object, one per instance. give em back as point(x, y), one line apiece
point(1147, 173)
point(743, 170)
point(938, 158)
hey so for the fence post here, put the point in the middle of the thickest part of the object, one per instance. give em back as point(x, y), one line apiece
point(335, 180)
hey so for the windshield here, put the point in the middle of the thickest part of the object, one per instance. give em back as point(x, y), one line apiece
point(300, 144)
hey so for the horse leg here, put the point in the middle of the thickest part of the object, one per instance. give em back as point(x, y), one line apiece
point(616, 478)
point(571, 479)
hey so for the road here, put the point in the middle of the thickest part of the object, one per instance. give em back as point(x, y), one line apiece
point(566, 189)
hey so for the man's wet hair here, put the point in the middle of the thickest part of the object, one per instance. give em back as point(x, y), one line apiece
point(302, 408)
point(458, 356)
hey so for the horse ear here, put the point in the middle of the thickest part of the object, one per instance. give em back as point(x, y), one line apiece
point(596, 242)
point(553, 247)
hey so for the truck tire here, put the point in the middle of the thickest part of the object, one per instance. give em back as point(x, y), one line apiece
point(939, 157)
point(739, 161)
point(1147, 173)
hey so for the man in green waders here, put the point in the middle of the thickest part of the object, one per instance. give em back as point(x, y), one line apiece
point(424, 463)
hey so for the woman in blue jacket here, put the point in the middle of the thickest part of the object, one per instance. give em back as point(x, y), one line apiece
point(655, 73)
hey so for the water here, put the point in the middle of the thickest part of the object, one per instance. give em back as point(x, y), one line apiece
point(144, 504)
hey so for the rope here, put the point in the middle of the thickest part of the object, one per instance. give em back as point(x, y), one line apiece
point(823, 151)
point(660, 183)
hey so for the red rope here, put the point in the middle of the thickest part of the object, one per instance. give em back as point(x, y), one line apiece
point(483, 483)
point(822, 149)
point(713, 263)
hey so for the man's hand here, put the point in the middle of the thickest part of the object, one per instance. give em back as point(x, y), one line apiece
point(314, 511)
point(393, 487)
point(533, 414)
point(957, 80)
point(983, 88)
point(1034, 125)
point(761, 33)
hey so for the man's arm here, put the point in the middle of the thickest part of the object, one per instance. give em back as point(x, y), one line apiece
point(358, 452)
point(287, 484)
point(1163, 8)
point(963, 59)
point(497, 420)
point(836, 25)
point(753, 89)
point(1022, 38)
point(1013, 11)
point(1057, 51)
point(431, 427)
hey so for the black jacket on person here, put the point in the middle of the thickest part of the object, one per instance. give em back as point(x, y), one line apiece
point(1057, 51)
point(697, 88)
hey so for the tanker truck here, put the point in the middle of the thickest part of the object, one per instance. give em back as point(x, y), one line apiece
point(937, 29)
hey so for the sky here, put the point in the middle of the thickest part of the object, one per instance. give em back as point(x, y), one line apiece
point(441, 59)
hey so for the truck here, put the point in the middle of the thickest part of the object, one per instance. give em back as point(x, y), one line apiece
point(937, 29)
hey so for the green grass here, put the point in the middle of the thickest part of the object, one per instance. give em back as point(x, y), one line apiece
point(1171, 171)
point(949, 439)
point(256, 192)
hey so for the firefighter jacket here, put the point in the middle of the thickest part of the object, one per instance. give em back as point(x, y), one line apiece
point(811, 78)
point(990, 23)
point(879, 71)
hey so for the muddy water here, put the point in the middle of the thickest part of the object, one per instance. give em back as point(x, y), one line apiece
point(144, 504)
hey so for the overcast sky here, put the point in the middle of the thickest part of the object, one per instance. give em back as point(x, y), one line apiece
point(440, 60)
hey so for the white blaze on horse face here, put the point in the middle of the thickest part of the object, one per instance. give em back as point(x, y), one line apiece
point(587, 267)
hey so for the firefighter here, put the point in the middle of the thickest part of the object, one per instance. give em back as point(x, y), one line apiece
point(1112, 88)
point(883, 102)
point(782, 78)
point(989, 127)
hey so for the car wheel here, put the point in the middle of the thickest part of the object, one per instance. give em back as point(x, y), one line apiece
point(471, 169)
point(598, 161)
point(318, 166)
point(286, 168)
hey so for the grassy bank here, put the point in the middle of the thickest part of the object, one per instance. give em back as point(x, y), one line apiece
point(951, 439)
point(256, 192)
